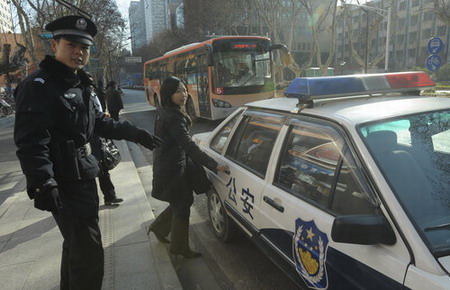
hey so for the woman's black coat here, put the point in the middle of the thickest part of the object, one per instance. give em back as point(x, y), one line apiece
point(170, 180)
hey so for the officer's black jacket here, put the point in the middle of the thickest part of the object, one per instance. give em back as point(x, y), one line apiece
point(54, 106)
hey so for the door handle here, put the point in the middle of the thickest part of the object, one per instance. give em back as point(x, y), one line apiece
point(273, 204)
point(225, 169)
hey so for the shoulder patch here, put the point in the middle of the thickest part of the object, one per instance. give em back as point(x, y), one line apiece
point(40, 80)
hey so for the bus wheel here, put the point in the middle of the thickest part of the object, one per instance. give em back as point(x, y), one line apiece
point(190, 110)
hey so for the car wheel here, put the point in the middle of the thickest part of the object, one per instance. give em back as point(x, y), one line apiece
point(190, 110)
point(224, 227)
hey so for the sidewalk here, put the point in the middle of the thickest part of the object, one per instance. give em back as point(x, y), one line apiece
point(30, 242)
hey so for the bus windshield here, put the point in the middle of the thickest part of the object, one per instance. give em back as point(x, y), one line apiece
point(241, 63)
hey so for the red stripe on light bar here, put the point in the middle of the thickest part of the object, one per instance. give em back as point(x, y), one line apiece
point(409, 80)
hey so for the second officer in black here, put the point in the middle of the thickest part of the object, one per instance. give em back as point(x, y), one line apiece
point(55, 121)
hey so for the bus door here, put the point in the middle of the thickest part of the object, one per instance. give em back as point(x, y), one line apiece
point(204, 101)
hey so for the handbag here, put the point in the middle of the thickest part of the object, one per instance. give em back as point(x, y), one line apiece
point(110, 154)
point(197, 176)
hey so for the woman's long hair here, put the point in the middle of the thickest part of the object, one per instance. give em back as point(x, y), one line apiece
point(168, 88)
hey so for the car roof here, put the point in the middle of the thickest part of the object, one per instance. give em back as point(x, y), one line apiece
point(358, 109)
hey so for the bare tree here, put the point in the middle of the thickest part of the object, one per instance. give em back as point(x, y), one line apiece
point(276, 15)
point(322, 19)
point(25, 27)
point(111, 36)
point(372, 28)
point(162, 43)
point(207, 17)
point(442, 10)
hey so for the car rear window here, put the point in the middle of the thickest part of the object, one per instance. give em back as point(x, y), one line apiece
point(254, 139)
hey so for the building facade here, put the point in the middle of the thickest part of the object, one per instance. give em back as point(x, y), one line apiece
point(148, 18)
point(412, 24)
point(156, 14)
point(137, 25)
point(5, 17)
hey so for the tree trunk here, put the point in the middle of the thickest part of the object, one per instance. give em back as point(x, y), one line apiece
point(26, 31)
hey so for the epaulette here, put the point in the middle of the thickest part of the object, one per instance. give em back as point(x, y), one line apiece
point(40, 80)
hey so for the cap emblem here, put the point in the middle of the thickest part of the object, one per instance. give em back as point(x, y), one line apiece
point(81, 24)
point(70, 95)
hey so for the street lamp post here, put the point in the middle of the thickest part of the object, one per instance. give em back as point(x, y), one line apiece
point(384, 13)
point(388, 33)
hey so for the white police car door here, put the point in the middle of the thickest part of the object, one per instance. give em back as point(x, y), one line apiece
point(316, 179)
point(247, 156)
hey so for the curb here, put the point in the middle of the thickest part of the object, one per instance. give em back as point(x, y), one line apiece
point(149, 265)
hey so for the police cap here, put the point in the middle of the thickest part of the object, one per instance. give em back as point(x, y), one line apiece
point(73, 27)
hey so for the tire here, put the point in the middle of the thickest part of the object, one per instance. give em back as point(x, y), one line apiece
point(190, 110)
point(223, 226)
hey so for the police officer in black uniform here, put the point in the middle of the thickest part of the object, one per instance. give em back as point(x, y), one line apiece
point(55, 120)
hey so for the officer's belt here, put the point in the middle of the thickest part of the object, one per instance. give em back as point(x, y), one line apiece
point(84, 150)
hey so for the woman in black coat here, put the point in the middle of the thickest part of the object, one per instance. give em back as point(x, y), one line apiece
point(170, 181)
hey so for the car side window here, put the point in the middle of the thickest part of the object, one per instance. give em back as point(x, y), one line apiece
point(218, 142)
point(254, 139)
point(314, 167)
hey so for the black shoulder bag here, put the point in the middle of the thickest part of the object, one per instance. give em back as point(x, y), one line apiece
point(110, 154)
point(197, 176)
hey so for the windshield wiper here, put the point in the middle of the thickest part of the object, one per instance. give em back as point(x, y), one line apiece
point(439, 227)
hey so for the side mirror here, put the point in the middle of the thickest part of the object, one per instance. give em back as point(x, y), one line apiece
point(278, 46)
point(285, 56)
point(363, 230)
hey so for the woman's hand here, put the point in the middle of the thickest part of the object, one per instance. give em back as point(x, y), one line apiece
point(223, 168)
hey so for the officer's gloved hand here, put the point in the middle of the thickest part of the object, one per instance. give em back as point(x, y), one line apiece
point(147, 140)
point(48, 199)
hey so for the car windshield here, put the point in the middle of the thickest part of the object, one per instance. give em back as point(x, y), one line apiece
point(413, 152)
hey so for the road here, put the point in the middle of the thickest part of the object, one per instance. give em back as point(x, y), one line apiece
point(236, 265)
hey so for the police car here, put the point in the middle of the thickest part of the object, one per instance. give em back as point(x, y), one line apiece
point(344, 183)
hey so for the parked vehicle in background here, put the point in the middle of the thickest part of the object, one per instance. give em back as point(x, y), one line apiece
point(222, 74)
point(344, 184)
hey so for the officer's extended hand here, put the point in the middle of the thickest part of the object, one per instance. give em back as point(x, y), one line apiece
point(147, 140)
point(48, 200)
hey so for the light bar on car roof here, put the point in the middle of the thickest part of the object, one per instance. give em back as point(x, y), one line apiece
point(310, 88)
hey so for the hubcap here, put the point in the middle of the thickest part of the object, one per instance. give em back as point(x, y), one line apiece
point(216, 213)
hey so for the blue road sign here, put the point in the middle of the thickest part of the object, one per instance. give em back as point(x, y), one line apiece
point(435, 45)
point(93, 49)
point(433, 62)
point(47, 35)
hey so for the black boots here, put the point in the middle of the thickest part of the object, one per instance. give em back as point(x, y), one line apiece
point(166, 223)
point(111, 198)
point(180, 239)
point(160, 237)
point(161, 226)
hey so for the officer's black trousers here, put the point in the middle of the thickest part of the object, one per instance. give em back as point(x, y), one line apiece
point(82, 257)
point(106, 185)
